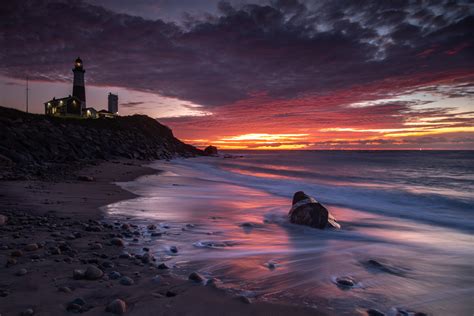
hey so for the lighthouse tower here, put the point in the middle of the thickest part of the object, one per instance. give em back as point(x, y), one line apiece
point(79, 89)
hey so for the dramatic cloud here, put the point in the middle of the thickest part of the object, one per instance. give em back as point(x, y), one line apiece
point(271, 67)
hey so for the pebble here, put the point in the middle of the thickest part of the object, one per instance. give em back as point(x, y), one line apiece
point(114, 275)
point(245, 299)
point(64, 289)
point(174, 249)
point(117, 307)
point(126, 281)
point(96, 246)
point(374, 312)
point(28, 312)
point(196, 277)
point(171, 294)
point(151, 227)
point(55, 251)
point(345, 281)
point(117, 242)
point(17, 253)
point(93, 273)
point(77, 305)
point(156, 234)
point(163, 266)
point(31, 247)
point(78, 274)
point(21, 272)
point(3, 220)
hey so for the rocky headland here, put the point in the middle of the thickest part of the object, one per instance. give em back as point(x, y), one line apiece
point(38, 146)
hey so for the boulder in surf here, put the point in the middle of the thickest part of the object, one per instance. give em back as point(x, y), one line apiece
point(308, 211)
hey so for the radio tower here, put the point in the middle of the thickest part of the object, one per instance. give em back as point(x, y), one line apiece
point(26, 93)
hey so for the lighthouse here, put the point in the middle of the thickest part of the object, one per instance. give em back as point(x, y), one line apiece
point(79, 89)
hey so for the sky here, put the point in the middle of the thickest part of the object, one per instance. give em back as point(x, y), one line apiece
point(268, 74)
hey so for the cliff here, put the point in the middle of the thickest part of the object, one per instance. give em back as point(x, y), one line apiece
point(34, 145)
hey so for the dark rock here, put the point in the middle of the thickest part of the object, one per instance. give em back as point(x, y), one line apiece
point(3, 219)
point(21, 272)
point(174, 249)
point(85, 178)
point(78, 305)
point(171, 294)
point(245, 299)
point(117, 307)
point(16, 253)
point(114, 275)
point(28, 312)
point(374, 312)
point(64, 289)
point(162, 266)
point(196, 277)
point(117, 242)
point(127, 281)
point(345, 282)
point(307, 211)
point(211, 151)
point(93, 273)
point(31, 247)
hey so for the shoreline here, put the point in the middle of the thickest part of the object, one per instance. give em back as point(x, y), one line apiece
point(55, 227)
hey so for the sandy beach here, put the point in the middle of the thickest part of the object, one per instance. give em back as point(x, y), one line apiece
point(58, 256)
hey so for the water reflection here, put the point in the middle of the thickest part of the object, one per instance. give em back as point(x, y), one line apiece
point(240, 235)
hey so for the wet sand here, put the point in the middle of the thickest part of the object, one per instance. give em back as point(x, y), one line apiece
point(54, 228)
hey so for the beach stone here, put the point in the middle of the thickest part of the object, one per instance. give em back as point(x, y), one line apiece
point(214, 282)
point(345, 282)
point(171, 294)
point(196, 277)
point(28, 312)
point(31, 247)
point(174, 249)
point(85, 178)
point(127, 281)
point(245, 299)
point(163, 266)
point(117, 307)
point(307, 211)
point(97, 246)
point(11, 262)
point(125, 255)
point(64, 289)
point(374, 312)
point(114, 275)
point(125, 226)
point(151, 227)
point(21, 272)
point(117, 242)
point(93, 273)
point(156, 234)
point(3, 220)
point(16, 253)
point(78, 305)
point(211, 151)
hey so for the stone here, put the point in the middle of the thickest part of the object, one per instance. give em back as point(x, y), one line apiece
point(78, 274)
point(93, 273)
point(114, 275)
point(117, 242)
point(21, 272)
point(151, 227)
point(245, 299)
point(163, 266)
point(117, 307)
point(156, 234)
point(307, 211)
point(174, 249)
point(211, 151)
point(31, 247)
point(64, 289)
point(16, 253)
point(374, 312)
point(78, 305)
point(127, 281)
point(3, 220)
point(96, 246)
point(85, 178)
point(170, 294)
point(28, 312)
point(196, 277)
point(345, 282)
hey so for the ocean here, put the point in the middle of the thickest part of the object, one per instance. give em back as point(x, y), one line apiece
point(406, 239)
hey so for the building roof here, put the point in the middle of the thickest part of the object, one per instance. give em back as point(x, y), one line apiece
point(62, 99)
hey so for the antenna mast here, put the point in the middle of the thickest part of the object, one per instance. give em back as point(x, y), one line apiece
point(26, 93)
